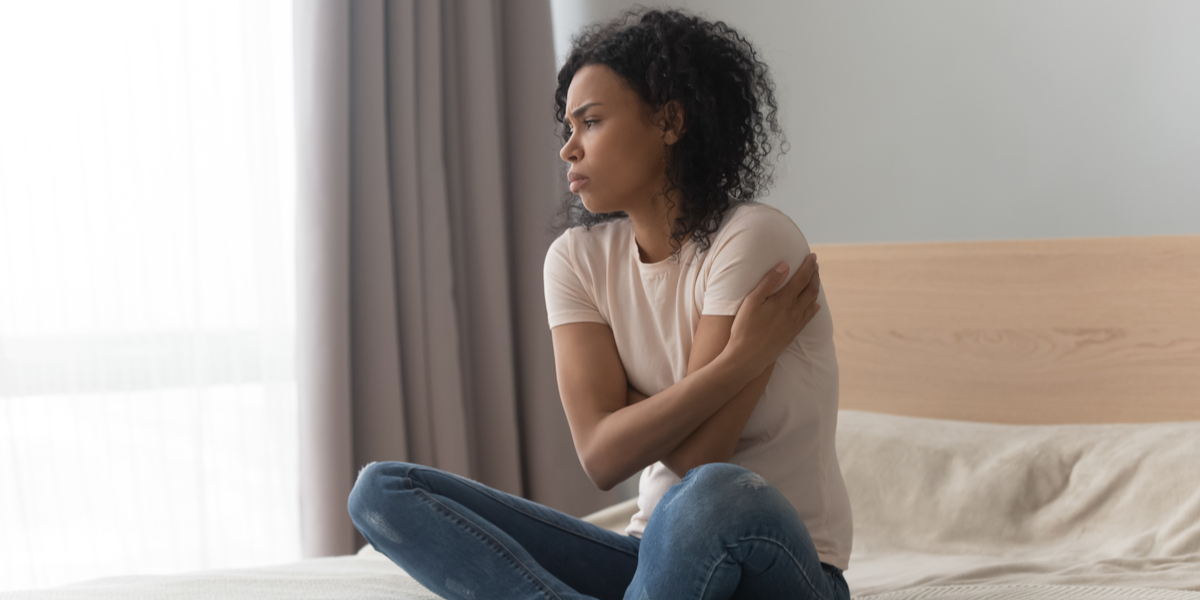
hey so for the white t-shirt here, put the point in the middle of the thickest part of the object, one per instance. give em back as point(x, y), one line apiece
point(653, 310)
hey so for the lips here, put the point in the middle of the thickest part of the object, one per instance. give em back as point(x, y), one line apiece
point(577, 180)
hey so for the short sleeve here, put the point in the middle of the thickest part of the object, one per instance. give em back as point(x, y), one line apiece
point(756, 240)
point(567, 301)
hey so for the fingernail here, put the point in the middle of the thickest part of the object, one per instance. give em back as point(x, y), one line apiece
point(782, 268)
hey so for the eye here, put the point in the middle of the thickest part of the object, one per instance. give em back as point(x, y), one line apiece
point(589, 123)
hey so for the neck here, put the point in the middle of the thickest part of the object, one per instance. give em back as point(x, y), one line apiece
point(652, 230)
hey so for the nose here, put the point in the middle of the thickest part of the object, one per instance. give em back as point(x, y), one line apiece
point(570, 151)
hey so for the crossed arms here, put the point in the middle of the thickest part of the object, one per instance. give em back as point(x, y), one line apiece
point(618, 431)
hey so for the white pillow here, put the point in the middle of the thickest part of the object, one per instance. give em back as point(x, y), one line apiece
point(952, 487)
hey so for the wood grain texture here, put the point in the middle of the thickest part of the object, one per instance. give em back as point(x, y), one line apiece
point(1082, 330)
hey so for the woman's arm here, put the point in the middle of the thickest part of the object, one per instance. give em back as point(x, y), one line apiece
point(716, 439)
point(613, 440)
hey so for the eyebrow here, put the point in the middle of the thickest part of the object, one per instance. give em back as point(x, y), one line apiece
point(579, 111)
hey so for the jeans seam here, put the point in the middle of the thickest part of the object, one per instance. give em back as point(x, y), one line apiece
point(708, 581)
point(487, 538)
point(794, 561)
point(503, 501)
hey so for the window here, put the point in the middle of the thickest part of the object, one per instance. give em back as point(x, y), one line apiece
point(148, 419)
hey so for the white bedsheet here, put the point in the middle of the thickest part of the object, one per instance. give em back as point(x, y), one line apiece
point(943, 510)
point(368, 575)
point(372, 576)
point(1030, 592)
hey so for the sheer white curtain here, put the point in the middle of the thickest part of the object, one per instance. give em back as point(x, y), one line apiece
point(148, 418)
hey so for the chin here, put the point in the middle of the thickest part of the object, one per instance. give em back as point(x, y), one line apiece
point(595, 207)
point(591, 206)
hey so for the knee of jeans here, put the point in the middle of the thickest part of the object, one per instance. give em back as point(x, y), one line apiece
point(722, 501)
point(364, 470)
point(368, 481)
point(723, 488)
point(721, 475)
point(354, 501)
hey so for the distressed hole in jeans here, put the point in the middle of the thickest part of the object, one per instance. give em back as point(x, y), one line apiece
point(360, 471)
point(685, 483)
point(381, 526)
point(752, 481)
point(459, 588)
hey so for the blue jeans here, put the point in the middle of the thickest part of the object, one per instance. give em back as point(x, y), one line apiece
point(722, 532)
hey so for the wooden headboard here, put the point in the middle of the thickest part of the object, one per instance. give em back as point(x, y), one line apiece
point(1083, 330)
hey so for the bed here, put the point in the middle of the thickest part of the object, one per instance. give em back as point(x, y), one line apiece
point(1019, 420)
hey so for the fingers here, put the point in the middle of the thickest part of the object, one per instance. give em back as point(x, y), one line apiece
point(797, 285)
point(770, 281)
point(813, 288)
point(804, 305)
point(809, 312)
point(804, 275)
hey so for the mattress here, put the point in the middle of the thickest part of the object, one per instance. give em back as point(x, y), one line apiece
point(942, 509)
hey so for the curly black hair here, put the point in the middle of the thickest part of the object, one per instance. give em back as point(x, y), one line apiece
point(728, 104)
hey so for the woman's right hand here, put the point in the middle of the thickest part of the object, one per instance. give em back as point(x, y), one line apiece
point(766, 322)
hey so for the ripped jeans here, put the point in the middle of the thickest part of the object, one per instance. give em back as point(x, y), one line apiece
point(709, 538)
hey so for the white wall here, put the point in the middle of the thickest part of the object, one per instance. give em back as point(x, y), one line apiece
point(943, 120)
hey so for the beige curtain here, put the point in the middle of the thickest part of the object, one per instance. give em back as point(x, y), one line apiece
point(428, 173)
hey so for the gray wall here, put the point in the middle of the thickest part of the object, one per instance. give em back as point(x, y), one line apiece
point(942, 120)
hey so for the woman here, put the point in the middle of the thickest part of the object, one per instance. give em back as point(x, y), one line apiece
point(676, 284)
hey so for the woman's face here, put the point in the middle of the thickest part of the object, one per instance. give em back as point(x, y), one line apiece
point(614, 143)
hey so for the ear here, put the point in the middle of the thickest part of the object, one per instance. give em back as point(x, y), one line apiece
point(670, 121)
